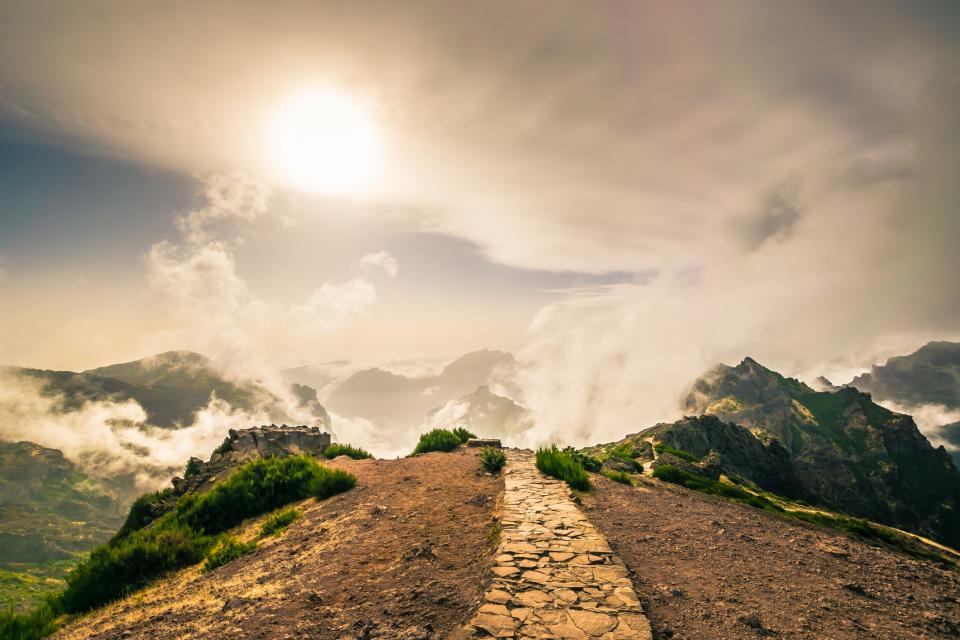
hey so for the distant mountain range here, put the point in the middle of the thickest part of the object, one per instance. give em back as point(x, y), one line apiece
point(930, 375)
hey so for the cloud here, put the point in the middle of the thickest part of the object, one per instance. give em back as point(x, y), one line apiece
point(4, 270)
point(930, 419)
point(381, 260)
point(774, 220)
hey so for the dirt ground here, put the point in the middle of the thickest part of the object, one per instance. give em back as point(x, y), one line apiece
point(403, 555)
point(711, 569)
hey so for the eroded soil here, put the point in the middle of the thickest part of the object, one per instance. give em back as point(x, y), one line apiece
point(405, 554)
point(709, 569)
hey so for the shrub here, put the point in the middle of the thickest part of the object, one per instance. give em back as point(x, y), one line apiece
point(627, 451)
point(38, 623)
point(227, 549)
point(619, 476)
point(663, 447)
point(223, 447)
point(279, 521)
point(463, 434)
point(492, 459)
point(143, 511)
point(437, 440)
point(562, 465)
point(588, 462)
point(335, 450)
point(258, 487)
point(193, 466)
point(184, 536)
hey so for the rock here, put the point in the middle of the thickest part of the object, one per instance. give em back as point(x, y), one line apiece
point(484, 442)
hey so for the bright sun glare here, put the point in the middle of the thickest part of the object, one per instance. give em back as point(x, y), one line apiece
point(324, 142)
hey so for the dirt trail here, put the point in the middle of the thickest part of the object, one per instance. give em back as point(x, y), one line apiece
point(710, 569)
point(404, 555)
point(556, 576)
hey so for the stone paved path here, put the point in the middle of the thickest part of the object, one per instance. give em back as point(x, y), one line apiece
point(556, 576)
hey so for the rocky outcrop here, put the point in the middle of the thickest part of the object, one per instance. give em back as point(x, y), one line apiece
point(243, 445)
point(930, 375)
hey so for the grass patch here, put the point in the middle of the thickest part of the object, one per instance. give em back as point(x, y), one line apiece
point(335, 450)
point(619, 476)
point(277, 522)
point(587, 461)
point(463, 434)
point(563, 466)
point(493, 535)
point(184, 536)
point(38, 623)
point(223, 447)
point(662, 447)
point(143, 511)
point(227, 549)
point(437, 440)
point(492, 459)
point(675, 475)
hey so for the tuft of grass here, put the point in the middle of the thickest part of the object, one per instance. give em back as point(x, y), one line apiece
point(335, 450)
point(437, 440)
point(675, 475)
point(34, 625)
point(279, 521)
point(463, 434)
point(227, 548)
point(492, 459)
point(619, 476)
point(662, 447)
point(563, 466)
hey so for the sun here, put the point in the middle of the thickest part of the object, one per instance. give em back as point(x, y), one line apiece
point(324, 142)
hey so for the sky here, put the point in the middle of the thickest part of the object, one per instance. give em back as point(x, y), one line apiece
point(622, 193)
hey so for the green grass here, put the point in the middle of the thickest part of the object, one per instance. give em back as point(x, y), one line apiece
point(463, 434)
point(335, 450)
point(186, 535)
point(675, 475)
point(588, 462)
point(437, 440)
point(492, 459)
point(38, 623)
point(619, 476)
point(192, 468)
point(277, 522)
point(143, 512)
point(662, 447)
point(228, 548)
point(563, 466)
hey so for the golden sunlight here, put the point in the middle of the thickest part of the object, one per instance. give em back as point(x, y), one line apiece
point(324, 142)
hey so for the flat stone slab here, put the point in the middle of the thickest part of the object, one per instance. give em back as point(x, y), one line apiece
point(484, 442)
point(556, 576)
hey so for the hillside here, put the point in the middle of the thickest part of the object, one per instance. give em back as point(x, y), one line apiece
point(848, 453)
point(50, 512)
point(409, 553)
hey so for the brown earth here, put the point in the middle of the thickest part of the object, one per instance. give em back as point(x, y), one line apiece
point(708, 568)
point(405, 554)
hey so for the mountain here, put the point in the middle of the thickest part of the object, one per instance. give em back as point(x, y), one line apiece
point(482, 412)
point(395, 400)
point(171, 387)
point(50, 512)
point(930, 375)
point(848, 453)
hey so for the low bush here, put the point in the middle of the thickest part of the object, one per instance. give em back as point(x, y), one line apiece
point(279, 521)
point(192, 468)
point(37, 624)
point(227, 548)
point(619, 476)
point(492, 459)
point(463, 434)
point(662, 447)
point(670, 473)
point(588, 462)
point(437, 440)
point(627, 451)
point(563, 466)
point(143, 511)
point(223, 447)
point(335, 450)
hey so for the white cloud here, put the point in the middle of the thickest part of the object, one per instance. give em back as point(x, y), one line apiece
point(381, 260)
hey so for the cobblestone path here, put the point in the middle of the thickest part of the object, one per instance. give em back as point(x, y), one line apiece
point(556, 576)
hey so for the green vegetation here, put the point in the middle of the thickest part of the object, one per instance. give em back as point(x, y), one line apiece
point(619, 476)
point(662, 447)
point(192, 468)
point(277, 522)
point(227, 549)
point(335, 450)
point(223, 447)
point(143, 511)
point(563, 466)
point(463, 434)
point(588, 462)
point(492, 459)
point(670, 473)
point(437, 440)
point(628, 450)
point(181, 537)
